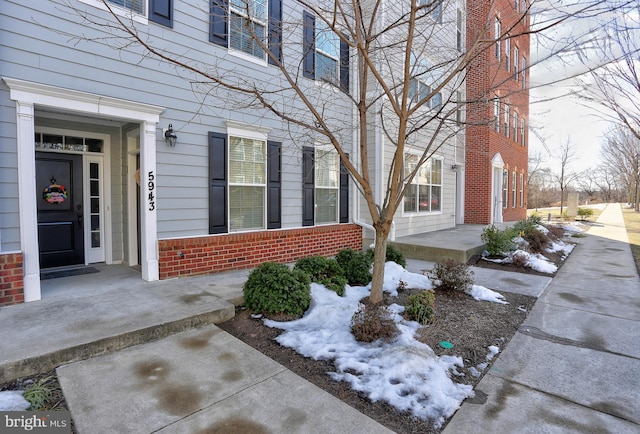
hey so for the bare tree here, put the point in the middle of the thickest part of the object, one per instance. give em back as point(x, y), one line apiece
point(621, 155)
point(388, 42)
point(565, 155)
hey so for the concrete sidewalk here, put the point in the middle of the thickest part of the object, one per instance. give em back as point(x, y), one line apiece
point(574, 365)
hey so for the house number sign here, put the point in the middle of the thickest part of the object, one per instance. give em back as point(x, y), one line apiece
point(152, 185)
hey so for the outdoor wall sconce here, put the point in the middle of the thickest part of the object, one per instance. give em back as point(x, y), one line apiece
point(169, 136)
point(454, 167)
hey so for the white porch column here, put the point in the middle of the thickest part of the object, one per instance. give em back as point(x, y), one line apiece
point(27, 200)
point(149, 202)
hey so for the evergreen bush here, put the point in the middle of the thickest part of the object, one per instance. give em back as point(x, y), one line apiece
point(356, 266)
point(325, 271)
point(498, 241)
point(274, 288)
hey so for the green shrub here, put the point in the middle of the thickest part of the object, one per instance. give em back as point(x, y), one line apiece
point(372, 322)
point(524, 226)
point(324, 271)
point(585, 213)
point(38, 394)
point(498, 242)
point(356, 266)
point(421, 307)
point(451, 275)
point(391, 254)
point(275, 288)
point(535, 218)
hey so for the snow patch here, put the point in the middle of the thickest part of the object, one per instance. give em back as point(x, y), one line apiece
point(12, 400)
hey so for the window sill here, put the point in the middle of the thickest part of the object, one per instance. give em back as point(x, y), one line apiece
point(248, 57)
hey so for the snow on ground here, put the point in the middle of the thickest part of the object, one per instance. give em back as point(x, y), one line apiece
point(404, 372)
point(12, 400)
point(481, 293)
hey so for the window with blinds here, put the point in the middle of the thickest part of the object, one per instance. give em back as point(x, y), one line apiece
point(425, 192)
point(247, 183)
point(248, 22)
point(327, 184)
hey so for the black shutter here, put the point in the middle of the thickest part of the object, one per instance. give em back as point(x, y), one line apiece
point(344, 193)
point(274, 179)
point(344, 66)
point(161, 12)
point(218, 183)
point(275, 30)
point(308, 45)
point(308, 186)
point(218, 27)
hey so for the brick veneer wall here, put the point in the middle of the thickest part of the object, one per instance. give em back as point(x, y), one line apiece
point(11, 279)
point(486, 79)
point(216, 253)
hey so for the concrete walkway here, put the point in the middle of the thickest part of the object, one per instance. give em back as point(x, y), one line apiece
point(574, 365)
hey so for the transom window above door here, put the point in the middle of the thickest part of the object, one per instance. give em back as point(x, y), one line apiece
point(58, 142)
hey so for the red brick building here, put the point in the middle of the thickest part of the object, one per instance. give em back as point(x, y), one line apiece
point(497, 112)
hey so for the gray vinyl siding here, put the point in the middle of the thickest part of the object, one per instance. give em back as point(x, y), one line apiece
point(36, 46)
point(9, 210)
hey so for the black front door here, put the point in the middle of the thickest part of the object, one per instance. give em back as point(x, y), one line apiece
point(59, 198)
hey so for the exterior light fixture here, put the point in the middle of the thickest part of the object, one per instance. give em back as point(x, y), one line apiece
point(169, 136)
point(454, 167)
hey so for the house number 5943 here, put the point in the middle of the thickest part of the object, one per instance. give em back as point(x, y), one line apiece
point(152, 185)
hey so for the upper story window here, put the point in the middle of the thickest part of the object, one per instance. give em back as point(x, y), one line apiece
point(516, 54)
point(420, 86)
point(326, 57)
point(507, 52)
point(140, 11)
point(496, 114)
point(522, 132)
point(327, 53)
point(523, 71)
point(459, 31)
point(507, 119)
point(497, 31)
point(248, 23)
point(424, 194)
point(245, 25)
point(515, 126)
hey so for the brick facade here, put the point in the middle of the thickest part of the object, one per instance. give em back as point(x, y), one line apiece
point(487, 79)
point(11, 279)
point(216, 253)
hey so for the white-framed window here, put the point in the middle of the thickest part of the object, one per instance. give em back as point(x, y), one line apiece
point(247, 23)
point(515, 126)
point(247, 183)
point(523, 71)
point(327, 53)
point(513, 189)
point(424, 194)
point(460, 43)
point(507, 52)
point(327, 185)
point(497, 30)
point(522, 131)
point(516, 59)
point(505, 188)
point(420, 85)
point(436, 9)
point(131, 9)
point(496, 114)
point(507, 119)
point(521, 190)
point(517, 5)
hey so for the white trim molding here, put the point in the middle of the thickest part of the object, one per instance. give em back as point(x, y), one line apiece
point(28, 95)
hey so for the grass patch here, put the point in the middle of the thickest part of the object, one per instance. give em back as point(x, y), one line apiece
point(632, 223)
point(555, 214)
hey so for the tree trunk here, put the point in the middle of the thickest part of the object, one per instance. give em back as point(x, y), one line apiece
point(379, 258)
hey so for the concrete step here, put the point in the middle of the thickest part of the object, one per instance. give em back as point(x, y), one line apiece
point(98, 319)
